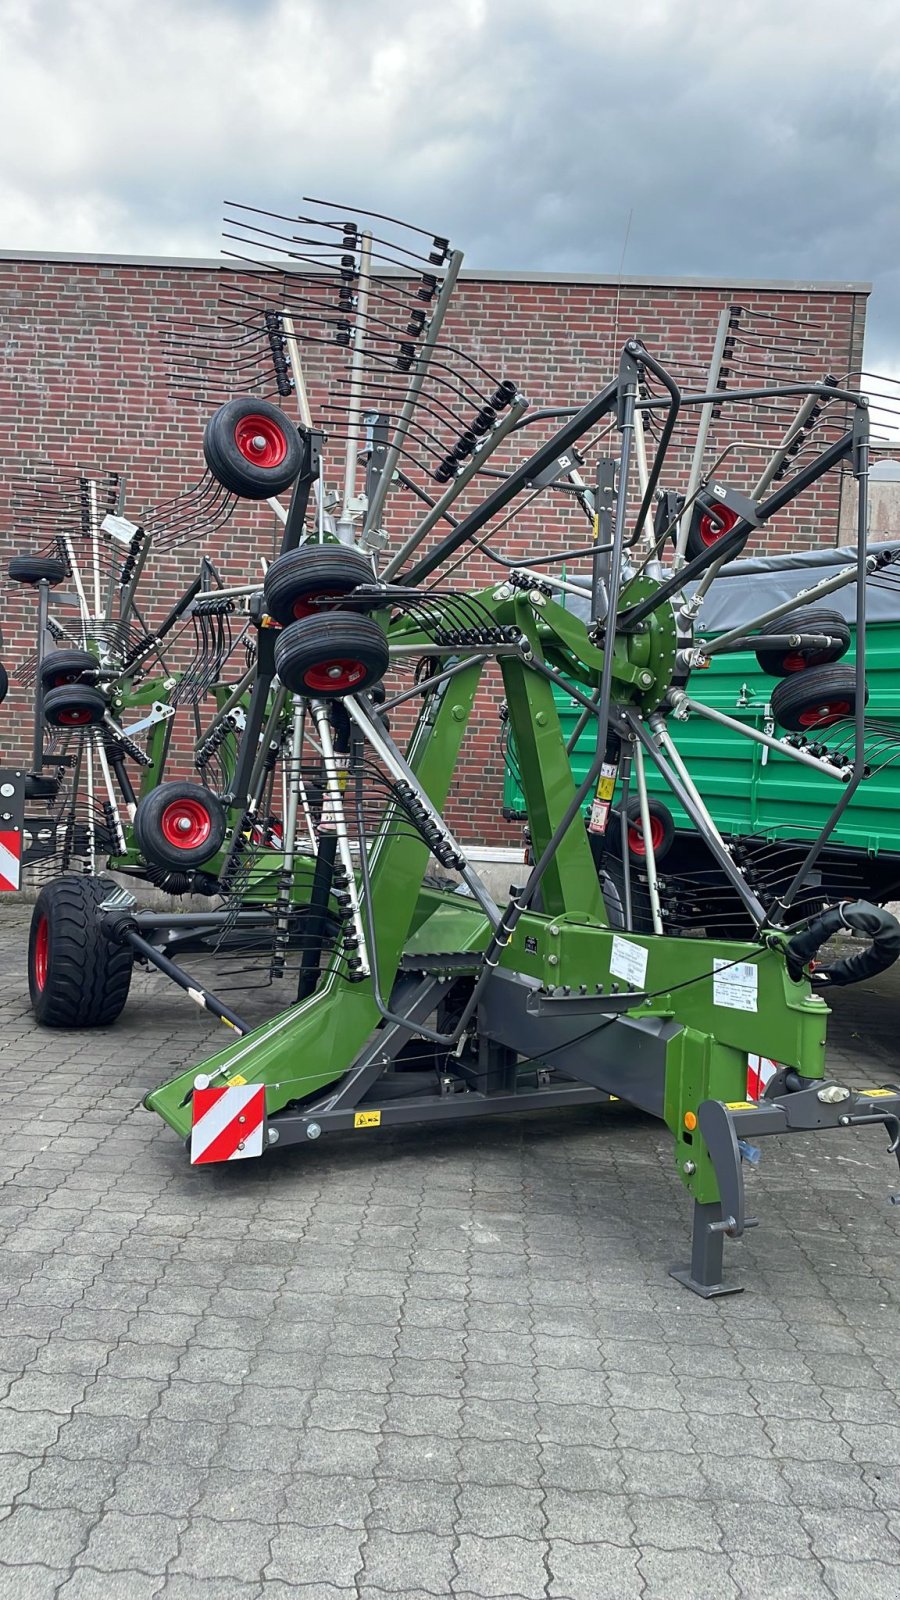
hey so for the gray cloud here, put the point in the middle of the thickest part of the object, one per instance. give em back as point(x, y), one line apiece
point(761, 138)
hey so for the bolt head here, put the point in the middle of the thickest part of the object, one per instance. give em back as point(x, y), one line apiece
point(690, 1167)
point(313, 1130)
point(258, 443)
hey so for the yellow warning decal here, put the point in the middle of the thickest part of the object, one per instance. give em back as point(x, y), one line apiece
point(606, 788)
point(237, 1079)
point(739, 1105)
point(367, 1119)
point(870, 1093)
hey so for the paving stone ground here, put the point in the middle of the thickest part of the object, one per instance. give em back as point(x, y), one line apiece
point(430, 1363)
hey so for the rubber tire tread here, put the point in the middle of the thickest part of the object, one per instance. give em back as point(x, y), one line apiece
point(33, 569)
point(804, 621)
point(802, 690)
point(298, 574)
point(230, 468)
point(71, 663)
point(75, 696)
point(149, 837)
point(88, 977)
point(338, 635)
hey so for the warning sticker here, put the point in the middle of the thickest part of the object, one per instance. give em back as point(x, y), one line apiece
point(870, 1093)
point(739, 1105)
point(236, 1078)
point(735, 985)
point(599, 817)
point(628, 961)
point(367, 1119)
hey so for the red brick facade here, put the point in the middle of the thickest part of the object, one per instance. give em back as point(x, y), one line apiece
point(83, 385)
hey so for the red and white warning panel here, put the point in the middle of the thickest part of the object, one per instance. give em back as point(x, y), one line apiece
point(760, 1071)
point(12, 806)
point(228, 1122)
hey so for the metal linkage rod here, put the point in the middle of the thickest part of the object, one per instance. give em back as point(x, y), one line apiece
point(649, 852)
point(706, 411)
point(373, 515)
point(681, 701)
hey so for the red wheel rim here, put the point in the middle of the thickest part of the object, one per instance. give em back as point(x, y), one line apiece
point(185, 824)
point(715, 522)
point(824, 715)
point(41, 952)
point(76, 718)
point(260, 440)
point(795, 662)
point(636, 837)
point(310, 604)
point(60, 679)
point(335, 676)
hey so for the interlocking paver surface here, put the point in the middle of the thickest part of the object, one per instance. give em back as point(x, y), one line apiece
point(430, 1363)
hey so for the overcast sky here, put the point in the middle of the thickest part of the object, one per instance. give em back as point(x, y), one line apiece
point(751, 137)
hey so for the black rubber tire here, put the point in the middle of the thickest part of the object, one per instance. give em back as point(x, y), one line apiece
point(663, 833)
point(35, 569)
point(4, 683)
point(65, 666)
point(328, 657)
point(240, 474)
point(156, 819)
point(74, 705)
point(296, 581)
point(705, 513)
point(86, 977)
point(799, 702)
point(776, 662)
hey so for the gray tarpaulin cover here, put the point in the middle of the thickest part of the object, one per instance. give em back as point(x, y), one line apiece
point(747, 588)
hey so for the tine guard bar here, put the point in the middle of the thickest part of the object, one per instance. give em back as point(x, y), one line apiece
point(858, 916)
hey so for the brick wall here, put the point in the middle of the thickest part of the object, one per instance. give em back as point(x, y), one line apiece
point(83, 385)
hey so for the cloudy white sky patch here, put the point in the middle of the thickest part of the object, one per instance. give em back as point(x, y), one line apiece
point(757, 139)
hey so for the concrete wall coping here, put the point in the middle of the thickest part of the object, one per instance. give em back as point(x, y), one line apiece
point(472, 274)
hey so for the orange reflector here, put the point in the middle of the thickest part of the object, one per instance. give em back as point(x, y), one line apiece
point(690, 1120)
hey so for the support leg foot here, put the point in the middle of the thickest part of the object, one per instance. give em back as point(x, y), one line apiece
point(704, 1274)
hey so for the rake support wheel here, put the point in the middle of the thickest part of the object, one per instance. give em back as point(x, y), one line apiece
point(328, 657)
point(76, 977)
point(710, 521)
point(179, 825)
point(74, 705)
point(36, 569)
point(811, 701)
point(300, 581)
point(252, 448)
point(65, 666)
point(781, 663)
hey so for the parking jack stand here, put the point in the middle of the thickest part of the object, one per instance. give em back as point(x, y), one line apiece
point(704, 1275)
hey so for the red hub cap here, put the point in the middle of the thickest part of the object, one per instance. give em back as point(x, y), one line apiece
point(41, 952)
point(185, 824)
point(260, 440)
point(796, 662)
point(715, 522)
point(824, 715)
point(636, 837)
point(76, 718)
point(334, 676)
point(311, 604)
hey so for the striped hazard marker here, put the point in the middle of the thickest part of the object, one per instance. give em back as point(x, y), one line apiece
point(10, 861)
point(760, 1071)
point(228, 1122)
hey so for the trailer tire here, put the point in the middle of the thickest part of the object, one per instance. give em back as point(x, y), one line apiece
point(298, 580)
point(780, 663)
point(816, 699)
point(76, 977)
point(65, 666)
point(36, 569)
point(252, 448)
point(74, 705)
point(179, 826)
point(328, 657)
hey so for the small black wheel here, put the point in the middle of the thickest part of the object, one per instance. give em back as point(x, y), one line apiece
point(252, 448)
point(77, 978)
point(74, 705)
point(710, 521)
point(298, 582)
point(328, 657)
point(65, 666)
point(179, 825)
point(4, 683)
point(780, 663)
point(816, 699)
point(36, 569)
point(662, 830)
